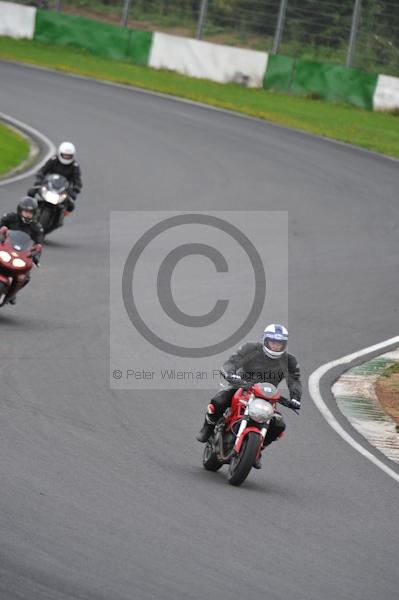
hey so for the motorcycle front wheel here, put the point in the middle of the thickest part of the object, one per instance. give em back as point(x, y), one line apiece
point(241, 463)
point(46, 218)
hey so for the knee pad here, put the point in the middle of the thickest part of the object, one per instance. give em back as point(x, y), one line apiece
point(210, 414)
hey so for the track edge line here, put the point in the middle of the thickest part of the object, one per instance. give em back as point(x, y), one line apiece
point(43, 140)
point(315, 394)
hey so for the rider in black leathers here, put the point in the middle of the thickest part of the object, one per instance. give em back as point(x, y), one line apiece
point(63, 163)
point(24, 220)
point(266, 361)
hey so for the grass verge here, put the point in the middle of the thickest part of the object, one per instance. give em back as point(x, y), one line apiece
point(374, 131)
point(391, 370)
point(387, 388)
point(14, 149)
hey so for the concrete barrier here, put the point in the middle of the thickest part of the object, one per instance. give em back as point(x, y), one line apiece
point(17, 21)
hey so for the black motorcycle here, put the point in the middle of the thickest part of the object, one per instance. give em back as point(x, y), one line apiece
point(51, 197)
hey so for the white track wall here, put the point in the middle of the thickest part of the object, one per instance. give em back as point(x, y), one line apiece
point(194, 58)
point(17, 21)
point(386, 94)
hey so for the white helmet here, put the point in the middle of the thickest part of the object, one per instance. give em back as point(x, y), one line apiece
point(66, 153)
point(275, 340)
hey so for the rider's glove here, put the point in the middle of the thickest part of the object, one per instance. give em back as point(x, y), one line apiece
point(228, 375)
point(69, 204)
point(72, 195)
point(295, 403)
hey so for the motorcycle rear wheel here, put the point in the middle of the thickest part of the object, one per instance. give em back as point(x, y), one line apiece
point(210, 460)
point(241, 464)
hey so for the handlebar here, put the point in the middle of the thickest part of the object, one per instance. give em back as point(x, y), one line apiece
point(237, 381)
point(286, 402)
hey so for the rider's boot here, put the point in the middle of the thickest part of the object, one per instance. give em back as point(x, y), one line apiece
point(206, 430)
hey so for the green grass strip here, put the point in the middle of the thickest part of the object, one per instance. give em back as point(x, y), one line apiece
point(374, 131)
point(13, 149)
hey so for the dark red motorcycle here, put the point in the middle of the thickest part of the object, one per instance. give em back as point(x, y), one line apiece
point(238, 436)
point(17, 250)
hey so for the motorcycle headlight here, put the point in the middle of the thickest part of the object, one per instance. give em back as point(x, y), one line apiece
point(260, 411)
point(5, 256)
point(18, 262)
point(52, 197)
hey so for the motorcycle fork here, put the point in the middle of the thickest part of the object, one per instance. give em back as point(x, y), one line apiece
point(61, 217)
point(263, 432)
point(242, 428)
point(17, 283)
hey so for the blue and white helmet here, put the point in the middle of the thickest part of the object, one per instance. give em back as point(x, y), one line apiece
point(275, 340)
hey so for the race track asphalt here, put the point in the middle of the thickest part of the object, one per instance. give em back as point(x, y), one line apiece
point(103, 496)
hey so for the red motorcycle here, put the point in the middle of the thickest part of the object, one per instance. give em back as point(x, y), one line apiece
point(238, 436)
point(17, 250)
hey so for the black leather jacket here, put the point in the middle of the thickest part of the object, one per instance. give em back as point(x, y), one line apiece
point(33, 229)
point(252, 364)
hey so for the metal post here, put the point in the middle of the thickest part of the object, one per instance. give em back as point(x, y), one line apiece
point(58, 5)
point(355, 25)
point(201, 18)
point(280, 26)
point(125, 14)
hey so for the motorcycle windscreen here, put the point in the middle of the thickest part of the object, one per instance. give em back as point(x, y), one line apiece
point(56, 183)
point(20, 240)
